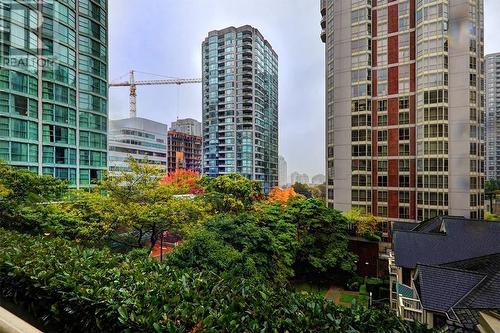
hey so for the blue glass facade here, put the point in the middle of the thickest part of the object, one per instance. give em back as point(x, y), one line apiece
point(240, 105)
point(53, 87)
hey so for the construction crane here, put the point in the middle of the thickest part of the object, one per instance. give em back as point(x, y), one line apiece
point(132, 83)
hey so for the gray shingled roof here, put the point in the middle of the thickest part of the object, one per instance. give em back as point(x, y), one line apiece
point(462, 239)
point(461, 289)
point(441, 287)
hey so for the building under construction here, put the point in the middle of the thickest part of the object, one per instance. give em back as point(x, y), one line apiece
point(184, 151)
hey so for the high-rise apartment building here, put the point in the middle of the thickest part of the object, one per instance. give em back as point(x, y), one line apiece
point(493, 116)
point(282, 171)
point(240, 105)
point(53, 87)
point(187, 125)
point(141, 139)
point(404, 107)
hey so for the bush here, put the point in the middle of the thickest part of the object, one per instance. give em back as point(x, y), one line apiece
point(89, 290)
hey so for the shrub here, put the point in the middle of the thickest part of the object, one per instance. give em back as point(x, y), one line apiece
point(89, 290)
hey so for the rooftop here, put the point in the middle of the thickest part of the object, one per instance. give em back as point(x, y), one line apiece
point(445, 239)
point(461, 289)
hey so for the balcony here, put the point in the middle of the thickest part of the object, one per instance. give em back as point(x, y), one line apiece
point(410, 309)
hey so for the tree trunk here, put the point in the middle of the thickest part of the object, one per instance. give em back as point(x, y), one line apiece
point(139, 240)
point(491, 203)
point(154, 236)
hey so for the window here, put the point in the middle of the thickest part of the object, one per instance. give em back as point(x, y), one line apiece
point(382, 135)
point(382, 105)
point(404, 212)
point(404, 165)
point(404, 103)
point(382, 180)
point(382, 196)
point(404, 134)
point(404, 197)
point(382, 166)
point(404, 181)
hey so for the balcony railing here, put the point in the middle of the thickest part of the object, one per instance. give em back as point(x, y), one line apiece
point(410, 309)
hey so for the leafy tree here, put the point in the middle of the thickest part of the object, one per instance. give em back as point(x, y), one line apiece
point(308, 191)
point(366, 224)
point(25, 199)
point(96, 220)
point(138, 200)
point(183, 182)
point(242, 246)
point(231, 193)
point(303, 189)
point(322, 239)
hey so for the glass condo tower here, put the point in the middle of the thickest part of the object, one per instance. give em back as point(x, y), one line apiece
point(240, 105)
point(53, 87)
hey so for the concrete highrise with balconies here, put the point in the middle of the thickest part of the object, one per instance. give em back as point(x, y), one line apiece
point(404, 107)
point(493, 116)
point(240, 105)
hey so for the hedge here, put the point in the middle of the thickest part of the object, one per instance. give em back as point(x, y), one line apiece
point(82, 289)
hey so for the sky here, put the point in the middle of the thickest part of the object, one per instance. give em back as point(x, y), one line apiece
point(163, 37)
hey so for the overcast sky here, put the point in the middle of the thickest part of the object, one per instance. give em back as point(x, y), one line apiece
point(164, 37)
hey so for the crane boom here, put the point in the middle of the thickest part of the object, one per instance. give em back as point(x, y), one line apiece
point(132, 83)
point(154, 82)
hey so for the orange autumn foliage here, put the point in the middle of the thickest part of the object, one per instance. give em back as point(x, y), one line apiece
point(281, 195)
point(183, 181)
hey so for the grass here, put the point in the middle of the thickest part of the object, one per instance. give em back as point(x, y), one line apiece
point(361, 297)
point(311, 288)
point(347, 298)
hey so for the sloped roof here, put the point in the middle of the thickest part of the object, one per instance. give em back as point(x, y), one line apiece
point(461, 289)
point(441, 287)
point(445, 239)
point(487, 294)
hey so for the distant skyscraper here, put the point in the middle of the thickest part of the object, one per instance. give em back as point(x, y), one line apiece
point(404, 107)
point(282, 171)
point(493, 116)
point(138, 138)
point(297, 177)
point(240, 105)
point(318, 179)
point(187, 125)
point(54, 87)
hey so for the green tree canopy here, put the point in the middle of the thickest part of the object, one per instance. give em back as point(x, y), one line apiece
point(231, 193)
point(137, 200)
point(322, 239)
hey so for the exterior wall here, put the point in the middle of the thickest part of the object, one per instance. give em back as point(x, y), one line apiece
point(493, 116)
point(188, 126)
point(54, 88)
point(466, 95)
point(139, 138)
point(188, 147)
point(404, 107)
point(240, 105)
point(337, 17)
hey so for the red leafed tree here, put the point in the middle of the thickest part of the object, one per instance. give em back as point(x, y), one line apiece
point(183, 181)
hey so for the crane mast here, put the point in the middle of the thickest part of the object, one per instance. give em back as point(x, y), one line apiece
point(132, 84)
point(133, 96)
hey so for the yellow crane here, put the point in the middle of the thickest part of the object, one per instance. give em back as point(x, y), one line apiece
point(132, 83)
